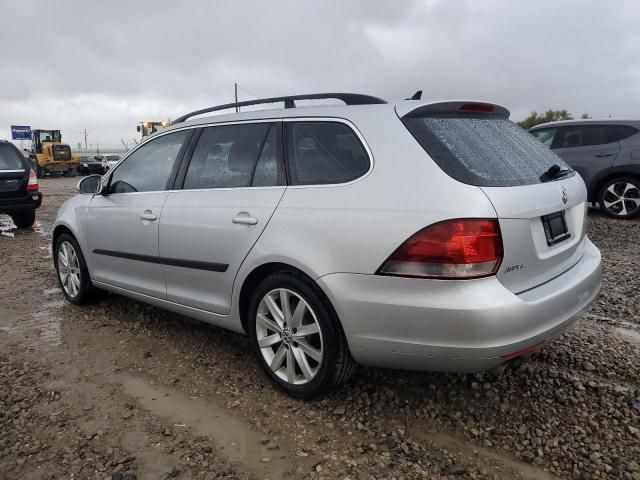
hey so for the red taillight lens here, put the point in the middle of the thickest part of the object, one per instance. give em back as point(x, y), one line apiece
point(454, 249)
point(477, 107)
point(32, 186)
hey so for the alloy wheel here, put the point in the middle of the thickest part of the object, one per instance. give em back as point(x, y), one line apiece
point(289, 336)
point(69, 269)
point(622, 198)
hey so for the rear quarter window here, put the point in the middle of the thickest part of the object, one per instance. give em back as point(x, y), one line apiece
point(321, 153)
point(622, 132)
point(482, 150)
point(10, 158)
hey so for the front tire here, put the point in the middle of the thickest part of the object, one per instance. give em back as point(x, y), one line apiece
point(71, 269)
point(24, 218)
point(296, 336)
point(620, 197)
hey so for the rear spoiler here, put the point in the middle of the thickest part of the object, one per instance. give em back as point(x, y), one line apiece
point(410, 109)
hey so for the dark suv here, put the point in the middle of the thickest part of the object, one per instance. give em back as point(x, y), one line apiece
point(19, 195)
point(606, 153)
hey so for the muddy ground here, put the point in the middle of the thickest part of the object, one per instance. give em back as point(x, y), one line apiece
point(120, 388)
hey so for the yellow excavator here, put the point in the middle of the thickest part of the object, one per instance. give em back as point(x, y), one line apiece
point(150, 127)
point(49, 155)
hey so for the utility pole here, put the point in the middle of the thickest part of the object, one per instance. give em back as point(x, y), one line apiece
point(85, 138)
point(235, 88)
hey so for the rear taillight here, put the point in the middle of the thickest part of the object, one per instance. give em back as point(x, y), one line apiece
point(453, 249)
point(32, 186)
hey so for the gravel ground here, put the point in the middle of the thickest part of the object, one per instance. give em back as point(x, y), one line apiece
point(120, 387)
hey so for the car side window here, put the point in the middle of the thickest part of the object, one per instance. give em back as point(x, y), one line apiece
point(227, 157)
point(324, 153)
point(620, 132)
point(584, 136)
point(545, 135)
point(149, 167)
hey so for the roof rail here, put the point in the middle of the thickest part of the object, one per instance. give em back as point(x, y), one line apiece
point(289, 102)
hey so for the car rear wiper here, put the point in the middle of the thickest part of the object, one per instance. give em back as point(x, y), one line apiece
point(554, 172)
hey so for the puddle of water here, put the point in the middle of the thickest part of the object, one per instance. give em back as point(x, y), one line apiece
point(628, 334)
point(40, 329)
point(204, 417)
point(496, 463)
point(54, 304)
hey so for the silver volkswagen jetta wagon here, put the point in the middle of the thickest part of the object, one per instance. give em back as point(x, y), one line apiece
point(416, 235)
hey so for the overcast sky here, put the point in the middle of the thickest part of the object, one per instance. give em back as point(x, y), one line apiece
point(106, 65)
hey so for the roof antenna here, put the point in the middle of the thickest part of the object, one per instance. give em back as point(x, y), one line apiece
point(416, 96)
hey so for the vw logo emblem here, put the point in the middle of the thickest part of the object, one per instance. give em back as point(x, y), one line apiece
point(565, 199)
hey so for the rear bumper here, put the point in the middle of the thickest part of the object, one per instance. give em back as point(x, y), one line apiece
point(33, 200)
point(464, 326)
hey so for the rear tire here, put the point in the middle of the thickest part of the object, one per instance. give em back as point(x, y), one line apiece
point(620, 197)
point(70, 173)
point(40, 172)
point(301, 347)
point(24, 218)
point(71, 269)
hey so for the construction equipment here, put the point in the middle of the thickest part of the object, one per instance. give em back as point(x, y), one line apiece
point(150, 127)
point(49, 155)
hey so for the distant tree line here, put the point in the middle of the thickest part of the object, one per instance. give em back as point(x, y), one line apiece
point(549, 116)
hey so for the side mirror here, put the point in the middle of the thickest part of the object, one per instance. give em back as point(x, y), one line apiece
point(91, 184)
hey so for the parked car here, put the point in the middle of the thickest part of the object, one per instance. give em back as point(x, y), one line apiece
point(417, 235)
point(93, 164)
point(606, 154)
point(19, 192)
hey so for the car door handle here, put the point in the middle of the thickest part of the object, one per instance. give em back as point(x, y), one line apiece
point(245, 220)
point(602, 155)
point(148, 215)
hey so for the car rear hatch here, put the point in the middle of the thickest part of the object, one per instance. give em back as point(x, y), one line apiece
point(539, 201)
point(13, 174)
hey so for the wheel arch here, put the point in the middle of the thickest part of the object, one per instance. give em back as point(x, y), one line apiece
point(259, 273)
point(598, 183)
point(60, 229)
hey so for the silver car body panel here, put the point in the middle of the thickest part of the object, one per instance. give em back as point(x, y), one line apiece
point(205, 220)
point(525, 245)
point(114, 226)
point(462, 326)
point(339, 235)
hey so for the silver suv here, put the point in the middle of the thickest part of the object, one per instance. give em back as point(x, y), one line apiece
point(606, 153)
point(417, 235)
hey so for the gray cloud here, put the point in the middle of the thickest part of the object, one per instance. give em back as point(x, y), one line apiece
point(107, 65)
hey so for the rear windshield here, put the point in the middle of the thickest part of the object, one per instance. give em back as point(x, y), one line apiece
point(483, 151)
point(10, 158)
